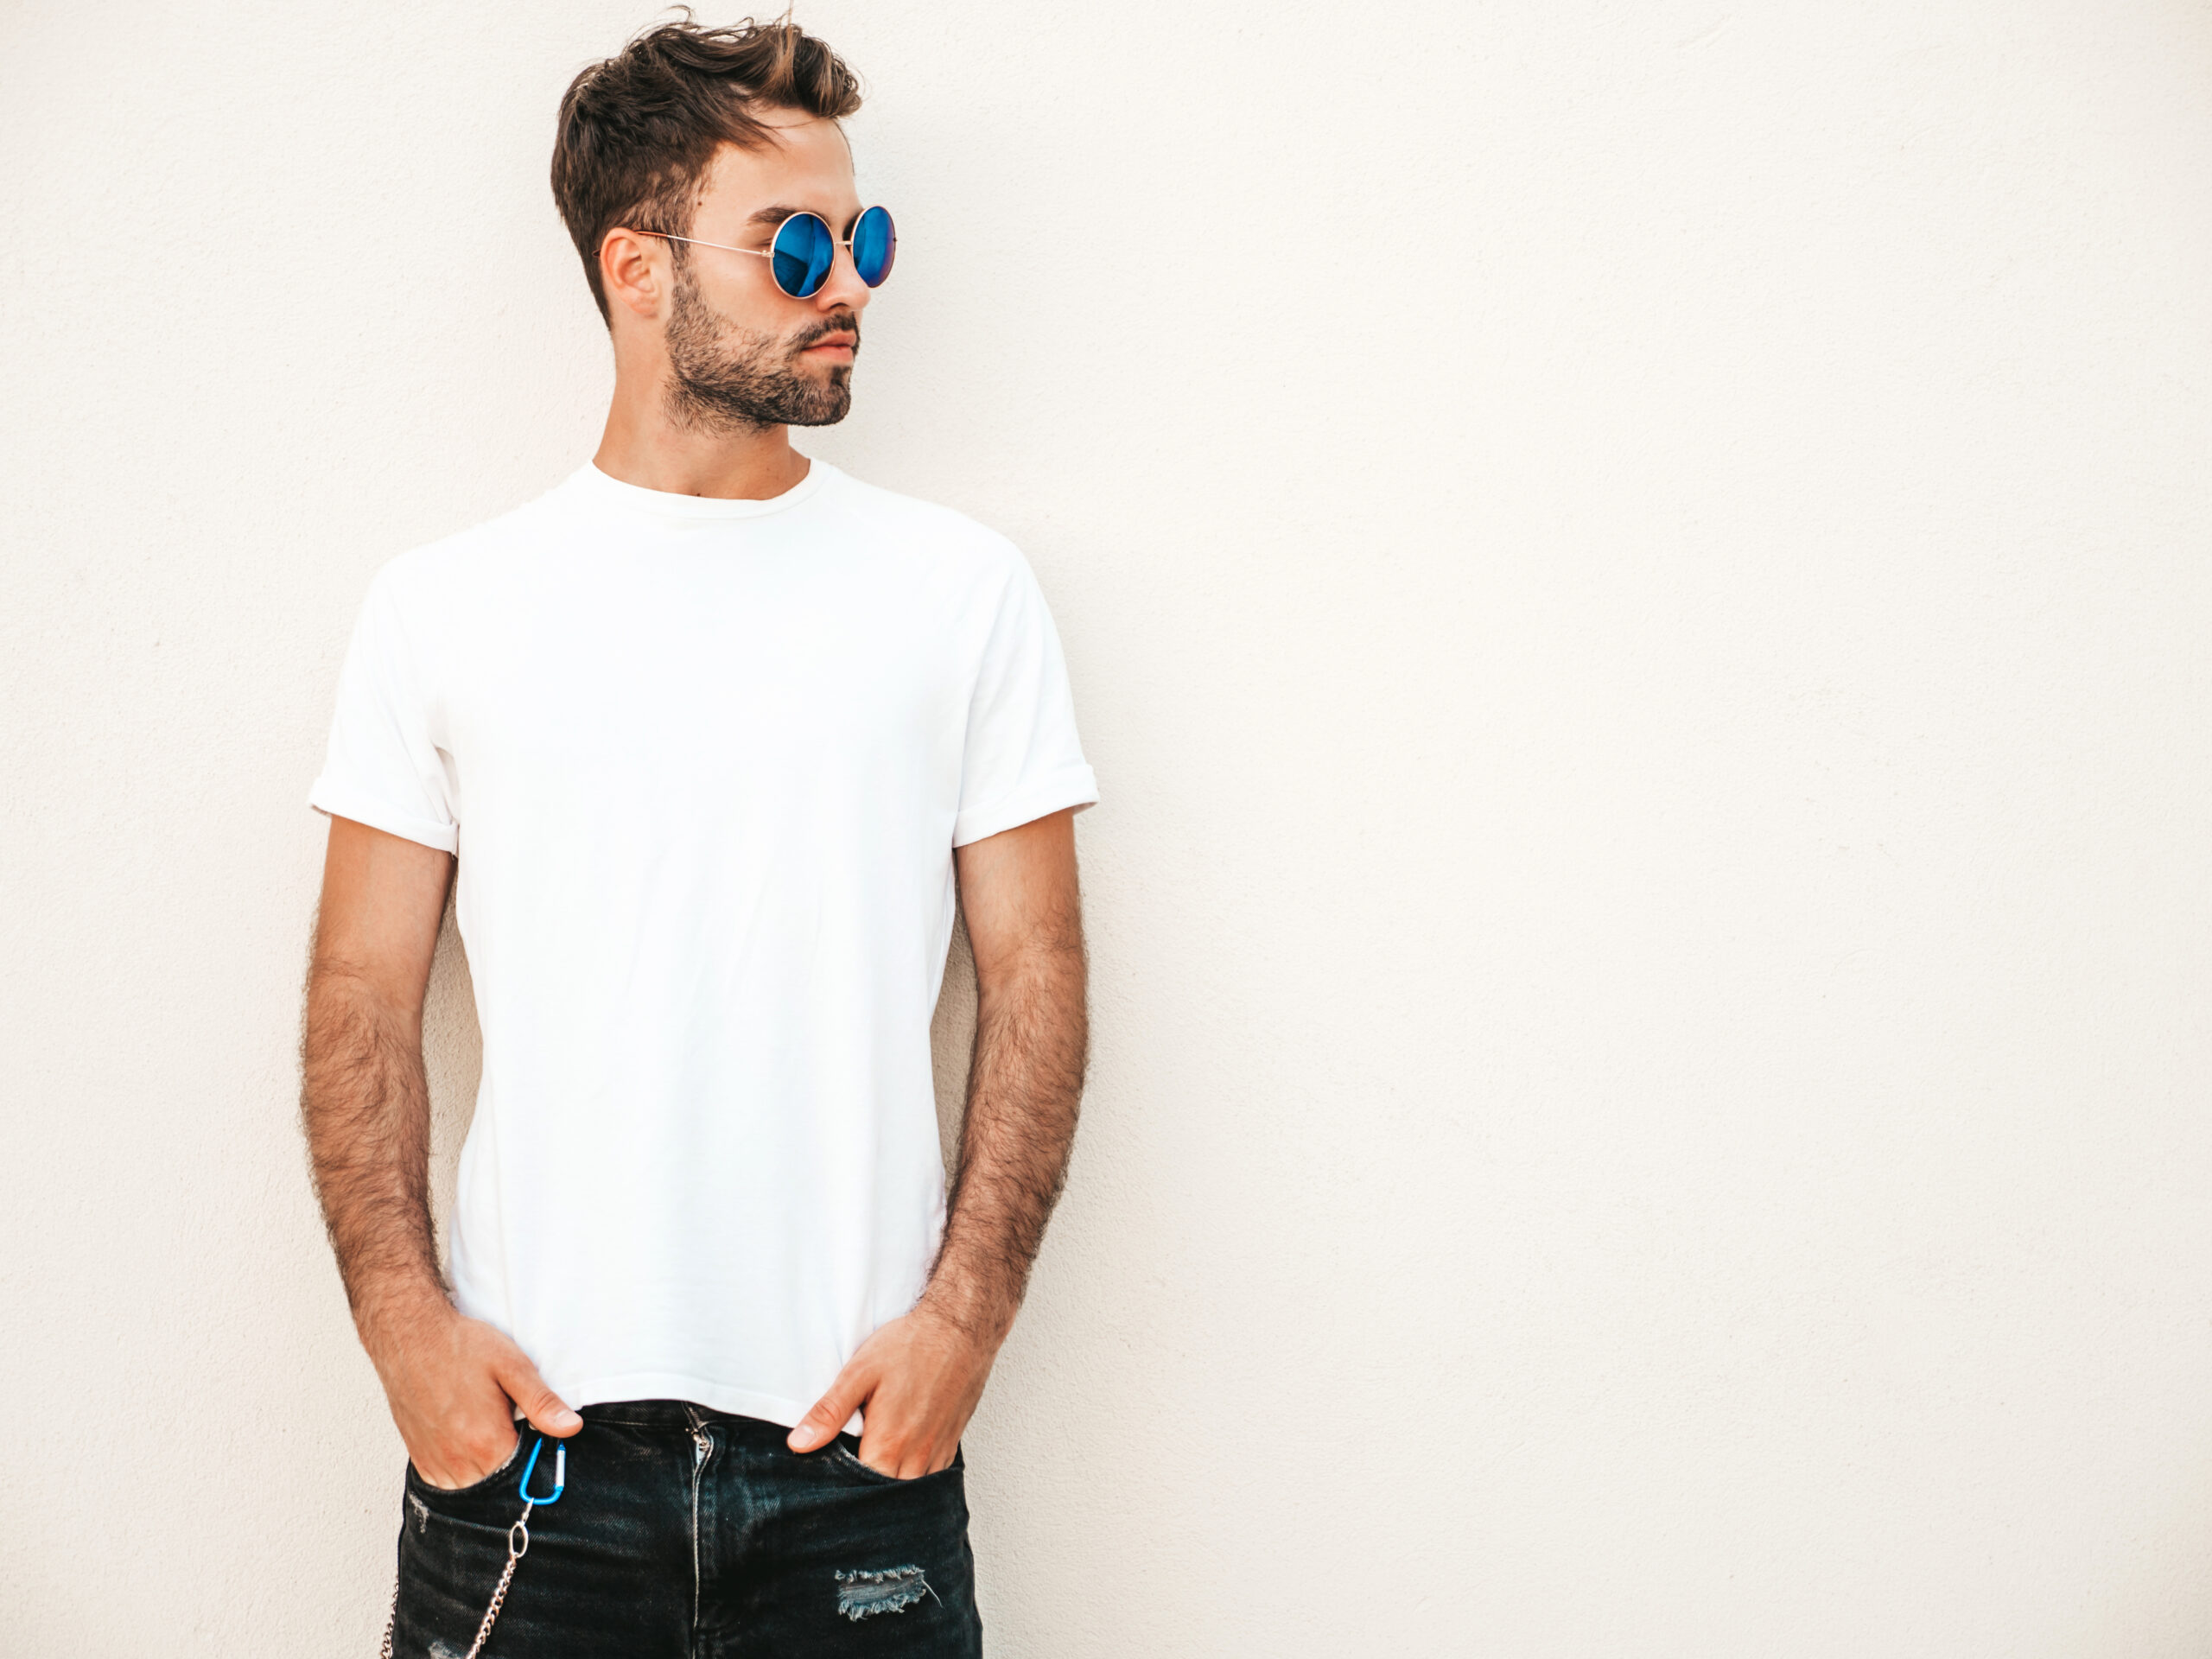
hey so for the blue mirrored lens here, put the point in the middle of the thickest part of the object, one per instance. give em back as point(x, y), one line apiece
point(803, 249)
point(875, 243)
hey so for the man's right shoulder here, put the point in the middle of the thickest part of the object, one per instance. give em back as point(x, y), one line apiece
point(432, 570)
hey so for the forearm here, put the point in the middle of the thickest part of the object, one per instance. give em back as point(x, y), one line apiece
point(918, 1377)
point(364, 1103)
point(1025, 1086)
point(366, 1106)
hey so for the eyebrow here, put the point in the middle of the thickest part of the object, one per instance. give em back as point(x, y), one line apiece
point(773, 216)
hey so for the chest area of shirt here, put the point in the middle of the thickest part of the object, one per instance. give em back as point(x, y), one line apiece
point(651, 670)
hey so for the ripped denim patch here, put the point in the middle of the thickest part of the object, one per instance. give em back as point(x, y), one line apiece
point(893, 1590)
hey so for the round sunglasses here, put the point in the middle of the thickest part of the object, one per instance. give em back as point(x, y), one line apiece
point(803, 248)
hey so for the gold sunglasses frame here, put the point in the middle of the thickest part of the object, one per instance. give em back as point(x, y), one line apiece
point(844, 242)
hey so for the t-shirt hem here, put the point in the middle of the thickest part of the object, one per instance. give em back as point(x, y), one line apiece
point(673, 1385)
point(339, 802)
point(1076, 786)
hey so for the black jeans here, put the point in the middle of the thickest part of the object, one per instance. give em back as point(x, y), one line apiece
point(689, 1534)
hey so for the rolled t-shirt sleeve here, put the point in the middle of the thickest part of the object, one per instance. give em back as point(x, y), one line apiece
point(1022, 758)
point(383, 767)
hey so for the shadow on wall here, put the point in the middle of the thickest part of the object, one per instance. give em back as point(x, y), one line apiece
point(453, 1056)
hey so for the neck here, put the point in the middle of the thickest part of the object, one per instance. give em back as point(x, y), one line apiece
point(643, 445)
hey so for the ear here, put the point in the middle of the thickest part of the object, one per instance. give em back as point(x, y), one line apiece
point(634, 271)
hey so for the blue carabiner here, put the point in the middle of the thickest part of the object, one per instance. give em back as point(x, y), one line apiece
point(560, 1472)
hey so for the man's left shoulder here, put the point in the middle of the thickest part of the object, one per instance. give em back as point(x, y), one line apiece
point(913, 526)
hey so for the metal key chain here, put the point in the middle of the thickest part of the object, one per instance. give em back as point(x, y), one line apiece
point(517, 1546)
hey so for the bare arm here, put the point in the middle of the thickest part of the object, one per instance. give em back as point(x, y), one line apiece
point(1025, 923)
point(364, 1103)
point(920, 1377)
point(366, 1107)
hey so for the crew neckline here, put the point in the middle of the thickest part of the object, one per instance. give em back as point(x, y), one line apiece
point(610, 491)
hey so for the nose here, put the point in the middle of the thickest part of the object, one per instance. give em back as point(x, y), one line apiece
point(842, 287)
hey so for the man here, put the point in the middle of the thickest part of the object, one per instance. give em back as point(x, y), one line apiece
point(708, 730)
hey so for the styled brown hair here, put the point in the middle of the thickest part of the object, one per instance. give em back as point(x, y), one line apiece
point(637, 130)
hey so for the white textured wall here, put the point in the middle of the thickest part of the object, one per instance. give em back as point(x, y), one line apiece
point(1636, 582)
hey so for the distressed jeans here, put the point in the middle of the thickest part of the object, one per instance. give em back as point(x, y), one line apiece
point(684, 1533)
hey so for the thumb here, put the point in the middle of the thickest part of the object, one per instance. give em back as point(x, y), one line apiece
point(846, 1396)
point(548, 1412)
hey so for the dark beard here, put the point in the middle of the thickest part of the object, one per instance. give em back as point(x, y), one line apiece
point(724, 380)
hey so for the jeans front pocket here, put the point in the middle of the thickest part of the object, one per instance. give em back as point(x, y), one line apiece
point(848, 1458)
point(522, 1432)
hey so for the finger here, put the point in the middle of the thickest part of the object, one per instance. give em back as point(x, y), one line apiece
point(892, 1442)
point(548, 1412)
point(847, 1395)
point(925, 1460)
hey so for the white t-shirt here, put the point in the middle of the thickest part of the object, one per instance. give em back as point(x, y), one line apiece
point(704, 763)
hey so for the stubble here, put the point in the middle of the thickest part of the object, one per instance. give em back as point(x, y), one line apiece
point(725, 378)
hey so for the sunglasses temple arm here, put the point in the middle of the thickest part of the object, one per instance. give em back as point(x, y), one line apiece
point(757, 253)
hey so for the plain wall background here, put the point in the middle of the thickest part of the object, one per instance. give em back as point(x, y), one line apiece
point(1635, 580)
